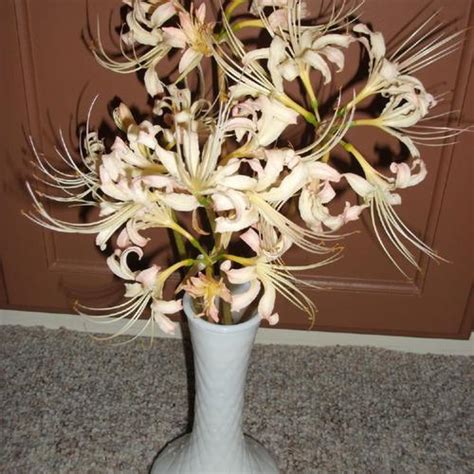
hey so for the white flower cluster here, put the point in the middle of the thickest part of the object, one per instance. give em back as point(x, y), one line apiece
point(226, 161)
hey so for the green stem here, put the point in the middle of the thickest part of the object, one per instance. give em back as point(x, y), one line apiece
point(240, 25)
point(232, 6)
point(226, 313)
point(289, 102)
point(366, 167)
point(193, 241)
point(305, 79)
point(179, 241)
point(165, 274)
point(242, 260)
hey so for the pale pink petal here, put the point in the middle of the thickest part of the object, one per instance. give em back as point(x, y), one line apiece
point(163, 13)
point(122, 240)
point(164, 323)
point(153, 84)
point(148, 277)
point(213, 311)
point(317, 62)
point(267, 301)
point(201, 13)
point(174, 37)
point(327, 193)
point(167, 307)
point(241, 275)
point(159, 181)
point(135, 236)
point(273, 319)
point(132, 290)
point(252, 239)
point(352, 213)
point(247, 218)
point(289, 186)
point(180, 202)
point(360, 185)
point(189, 60)
point(222, 202)
point(323, 171)
point(244, 299)
point(239, 182)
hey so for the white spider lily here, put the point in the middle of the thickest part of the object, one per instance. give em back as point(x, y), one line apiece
point(144, 22)
point(194, 36)
point(266, 271)
point(269, 119)
point(376, 190)
point(292, 53)
point(252, 79)
point(393, 75)
point(209, 291)
point(317, 194)
point(141, 289)
point(278, 18)
point(400, 118)
point(195, 167)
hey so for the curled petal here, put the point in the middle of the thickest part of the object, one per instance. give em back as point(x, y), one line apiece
point(360, 185)
point(167, 307)
point(405, 178)
point(323, 171)
point(267, 301)
point(174, 37)
point(164, 323)
point(240, 275)
point(243, 300)
point(163, 13)
point(252, 239)
point(148, 277)
point(189, 60)
point(180, 202)
point(153, 84)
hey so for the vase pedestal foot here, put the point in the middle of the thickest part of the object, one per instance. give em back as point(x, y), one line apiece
point(183, 456)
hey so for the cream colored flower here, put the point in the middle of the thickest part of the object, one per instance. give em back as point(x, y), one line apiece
point(208, 291)
point(142, 288)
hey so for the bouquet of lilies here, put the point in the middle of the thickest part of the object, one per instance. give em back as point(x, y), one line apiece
point(224, 159)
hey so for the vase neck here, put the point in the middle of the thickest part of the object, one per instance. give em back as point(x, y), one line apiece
point(220, 366)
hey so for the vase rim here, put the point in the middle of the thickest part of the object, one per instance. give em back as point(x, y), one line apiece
point(254, 320)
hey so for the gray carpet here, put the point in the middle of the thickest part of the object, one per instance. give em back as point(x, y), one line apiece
point(71, 405)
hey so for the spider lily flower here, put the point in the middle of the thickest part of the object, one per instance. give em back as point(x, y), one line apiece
point(266, 272)
point(141, 289)
point(269, 119)
point(251, 80)
point(194, 36)
point(317, 193)
point(196, 168)
point(144, 23)
point(81, 181)
point(292, 53)
point(278, 18)
point(392, 75)
point(208, 290)
point(401, 117)
point(377, 193)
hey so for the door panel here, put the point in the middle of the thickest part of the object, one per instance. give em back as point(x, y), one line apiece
point(48, 80)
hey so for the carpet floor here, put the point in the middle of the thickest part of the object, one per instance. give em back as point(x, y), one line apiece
point(71, 405)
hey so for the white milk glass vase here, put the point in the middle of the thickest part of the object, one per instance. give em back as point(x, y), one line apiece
point(217, 443)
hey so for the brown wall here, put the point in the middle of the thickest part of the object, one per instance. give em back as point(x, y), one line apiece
point(48, 79)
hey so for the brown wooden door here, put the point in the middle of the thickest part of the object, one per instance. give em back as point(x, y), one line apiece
point(48, 79)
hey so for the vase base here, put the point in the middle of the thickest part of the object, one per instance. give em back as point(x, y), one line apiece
point(179, 457)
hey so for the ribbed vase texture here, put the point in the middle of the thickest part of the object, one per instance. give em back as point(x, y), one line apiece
point(217, 443)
